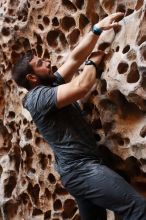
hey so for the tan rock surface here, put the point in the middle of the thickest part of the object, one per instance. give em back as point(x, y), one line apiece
point(29, 187)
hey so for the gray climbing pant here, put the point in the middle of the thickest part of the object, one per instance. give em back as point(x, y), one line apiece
point(97, 188)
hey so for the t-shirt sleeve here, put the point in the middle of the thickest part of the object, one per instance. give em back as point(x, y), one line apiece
point(59, 79)
point(42, 99)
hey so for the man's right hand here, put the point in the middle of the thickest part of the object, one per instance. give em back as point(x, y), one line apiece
point(109, 21)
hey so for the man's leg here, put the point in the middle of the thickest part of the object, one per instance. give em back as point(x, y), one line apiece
point(105, 188)
point(90, 211)
point(109, 190)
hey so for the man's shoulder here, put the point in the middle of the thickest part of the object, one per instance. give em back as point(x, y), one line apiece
point(33, 93)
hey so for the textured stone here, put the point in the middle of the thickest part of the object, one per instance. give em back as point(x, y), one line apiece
point(30, 187)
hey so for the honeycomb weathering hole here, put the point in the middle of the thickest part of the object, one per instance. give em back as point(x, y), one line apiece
point(133, 75)
point(55, 21)
point(143, 81)
point(10, 184)
point(83, 21)
point(69, 208)
point(57, 205)
point(79, 3)
point(56, 36)
point(52, 178)
point(126, 49)
point(69, 5)
point(37, 212)
point(46, 20)
point(43, 161)
point(52, 38)
point(123, 67)
point(139, 4)
point(143, 52)
point(73, 37)
point(143, 132)
point(67, 22)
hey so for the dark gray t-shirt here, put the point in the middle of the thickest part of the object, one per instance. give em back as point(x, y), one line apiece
point(65, 129)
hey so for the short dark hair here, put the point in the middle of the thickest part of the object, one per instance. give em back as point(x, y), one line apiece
point(21, 69)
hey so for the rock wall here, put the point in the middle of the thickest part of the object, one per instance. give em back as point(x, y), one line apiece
point(29, 186)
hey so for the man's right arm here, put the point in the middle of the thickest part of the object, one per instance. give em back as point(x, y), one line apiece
point(85, 47)
point(79, 86)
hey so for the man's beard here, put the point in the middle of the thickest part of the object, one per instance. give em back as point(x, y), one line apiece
point(46, 80)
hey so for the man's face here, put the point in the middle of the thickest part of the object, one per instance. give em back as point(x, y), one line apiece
point(42, 70)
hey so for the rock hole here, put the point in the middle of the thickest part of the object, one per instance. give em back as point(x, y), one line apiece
point(39, 16)
point(48, 194)
point(122, 67)
point(133, 75)
point(103, 46)
point(103, 86)
point(37, 141)
point(9, 185)
point(1, 170)
point(10, 209)
point(46, 54)
point(25, 121)
point(52, 38)
point(129, 12)
point(43, 161)
point(41, 27)
point(57, 205)
point(141, 40)
point(143, 52)
point(37, 212)
point(47, 215)
point(118, 138)
point(108, 126)
point(94, 18)
point(143, 81)
point(28, 135)
point(121, 8)
point(39, 50)
point(143, 132)
point(55, 21)
point(69, 5)
point(79, 3)
point(46, 20)
point(97, 137)
point(73, 37)
point(5, 31)
point(67, 23)
point(83, 21)
point(26, 44)
point(96, 124)
point(51, 178)
point(11, 115)
point(54, 69)
point(25, 198)
point(126, 49)
point(69, 208)
point(28, 149)
point(139, 4)
point(38, 38)
point(59, 190)
point(117, 48)
point(34, 192)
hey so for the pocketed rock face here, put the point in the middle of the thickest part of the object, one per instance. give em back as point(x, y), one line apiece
point(30, 188)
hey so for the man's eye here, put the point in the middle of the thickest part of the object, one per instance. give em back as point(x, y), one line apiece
point(39, 63)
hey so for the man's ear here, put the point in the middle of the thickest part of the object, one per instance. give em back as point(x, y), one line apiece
point(31, 77)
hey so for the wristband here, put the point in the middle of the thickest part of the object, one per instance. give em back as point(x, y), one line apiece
point(96, 30)
point(90, 62)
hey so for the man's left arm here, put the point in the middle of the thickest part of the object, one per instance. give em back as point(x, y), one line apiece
point(85, 47)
